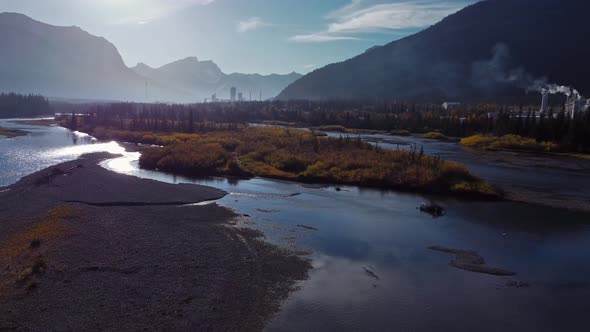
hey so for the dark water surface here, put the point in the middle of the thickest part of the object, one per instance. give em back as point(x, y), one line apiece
point(372, 269)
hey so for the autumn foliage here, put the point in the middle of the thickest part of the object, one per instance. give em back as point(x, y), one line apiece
point(299, 155)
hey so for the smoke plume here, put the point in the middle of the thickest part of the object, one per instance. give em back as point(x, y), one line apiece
point(497, 70)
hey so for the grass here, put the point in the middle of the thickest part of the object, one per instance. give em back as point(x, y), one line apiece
point(436, 136)
point(299, 155)
point(11, 133)
point(400, 133)
point(335, 128)
point(21, 254)
point(344, 130)
point(509, 142)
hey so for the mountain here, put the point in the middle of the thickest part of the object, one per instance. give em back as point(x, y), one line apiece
point(65, 62)
point(68, 62)
point(204, 78)
point(492, 50)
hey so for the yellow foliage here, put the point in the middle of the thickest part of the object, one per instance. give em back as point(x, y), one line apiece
point(298, 154)
point(509, 142)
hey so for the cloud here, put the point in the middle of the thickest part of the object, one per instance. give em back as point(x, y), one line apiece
point(253, 23)
point(358, 17)
point(309, 66)
point(393, 16)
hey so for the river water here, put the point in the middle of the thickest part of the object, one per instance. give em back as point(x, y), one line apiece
point(372, 269)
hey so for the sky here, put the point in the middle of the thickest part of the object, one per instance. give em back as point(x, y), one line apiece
point(246, 36)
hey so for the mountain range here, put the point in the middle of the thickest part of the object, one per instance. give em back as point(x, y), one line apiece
point(68, 62)
point(490, 51)
point(204, 78)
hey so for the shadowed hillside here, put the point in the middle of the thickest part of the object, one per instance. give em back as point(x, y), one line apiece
point(492, 50)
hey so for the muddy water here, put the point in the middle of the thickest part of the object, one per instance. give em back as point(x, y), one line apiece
point(372, 269)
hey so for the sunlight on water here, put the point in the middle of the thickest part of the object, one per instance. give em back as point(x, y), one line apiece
point(81, 134)
point(78, 150)
point(124, 164)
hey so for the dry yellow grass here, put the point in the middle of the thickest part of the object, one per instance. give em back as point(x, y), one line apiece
point(509, 142)
point(20, 254)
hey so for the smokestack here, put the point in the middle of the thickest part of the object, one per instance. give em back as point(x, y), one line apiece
point(545, 102)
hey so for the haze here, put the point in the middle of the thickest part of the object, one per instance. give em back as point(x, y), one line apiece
point(270, 36)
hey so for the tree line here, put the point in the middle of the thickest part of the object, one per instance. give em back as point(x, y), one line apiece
point(461, 121)
point(14, 105)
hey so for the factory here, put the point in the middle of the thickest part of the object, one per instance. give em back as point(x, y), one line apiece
point(574, 104)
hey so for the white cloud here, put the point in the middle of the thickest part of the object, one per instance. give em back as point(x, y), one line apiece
point(253, 23)
point(309, 66)
point(393, 16)
point(358, 17)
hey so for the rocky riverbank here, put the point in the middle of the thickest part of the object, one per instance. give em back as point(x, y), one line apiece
point(84, 248)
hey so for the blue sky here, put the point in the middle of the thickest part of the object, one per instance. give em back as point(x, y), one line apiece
point(263, 36)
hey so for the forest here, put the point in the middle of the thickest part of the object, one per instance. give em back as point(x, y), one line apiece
point(394, 117)
point(14, 105)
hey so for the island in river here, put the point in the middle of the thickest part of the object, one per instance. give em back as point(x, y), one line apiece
point(89, 249)
point(296, 155)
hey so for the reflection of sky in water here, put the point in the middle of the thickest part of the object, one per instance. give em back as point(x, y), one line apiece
point(360, 230)
point(412, 287)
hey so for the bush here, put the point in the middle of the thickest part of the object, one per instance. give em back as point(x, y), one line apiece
point(509, 142)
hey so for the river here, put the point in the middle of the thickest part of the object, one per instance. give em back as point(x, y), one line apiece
point(372, 269)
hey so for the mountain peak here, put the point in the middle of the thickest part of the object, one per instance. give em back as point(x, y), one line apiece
point(141, 65)
point(189, 60)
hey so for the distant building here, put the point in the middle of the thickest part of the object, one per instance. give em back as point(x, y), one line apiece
point(232, 93)
point(240, 96)
point(214, 98)
point(448, 105)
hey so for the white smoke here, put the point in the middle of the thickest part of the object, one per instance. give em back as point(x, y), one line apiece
point(543, 87)
point(498, 70)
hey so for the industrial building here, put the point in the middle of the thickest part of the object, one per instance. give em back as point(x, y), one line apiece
point(575, 104)
point(232, 93)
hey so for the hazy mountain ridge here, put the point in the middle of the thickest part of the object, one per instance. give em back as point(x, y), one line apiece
point(204, 78)
point(68, 62)
point(64, 62)
point(491, 50)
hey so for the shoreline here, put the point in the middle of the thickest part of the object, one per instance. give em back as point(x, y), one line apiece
point(12, 133)
point(125, 255)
